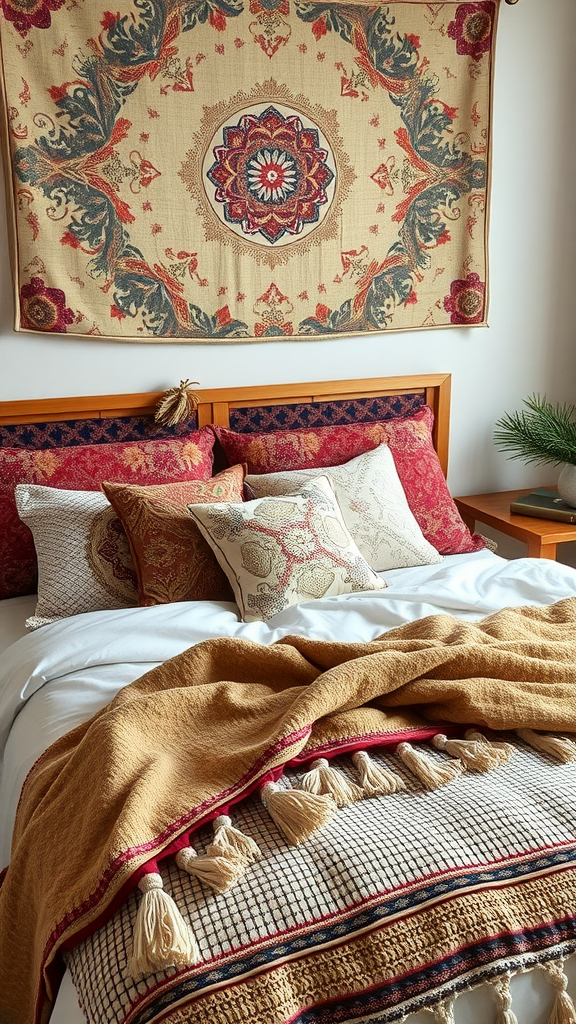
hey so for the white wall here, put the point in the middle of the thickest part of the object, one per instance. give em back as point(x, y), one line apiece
point(530, 344)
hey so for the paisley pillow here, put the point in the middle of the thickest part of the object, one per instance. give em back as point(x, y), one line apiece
point(410, 441)
point(173, 561)
point(280, 551)
point(82, 468)
point(84, 562)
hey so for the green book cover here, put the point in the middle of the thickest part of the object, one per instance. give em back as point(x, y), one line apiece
point(544, 503)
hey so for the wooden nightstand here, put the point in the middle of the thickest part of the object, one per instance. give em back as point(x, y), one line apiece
point(541, 535)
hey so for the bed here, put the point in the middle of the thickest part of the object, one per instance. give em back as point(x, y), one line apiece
point(456, 900)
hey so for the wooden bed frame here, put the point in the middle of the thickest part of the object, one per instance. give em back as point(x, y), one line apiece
point(216, 403)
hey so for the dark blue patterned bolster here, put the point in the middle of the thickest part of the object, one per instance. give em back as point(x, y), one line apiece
point(262, 419)
point(66, 433)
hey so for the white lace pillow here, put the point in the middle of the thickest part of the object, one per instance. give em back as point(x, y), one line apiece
point(280, 551)
point(373, 504)
point(84, 562)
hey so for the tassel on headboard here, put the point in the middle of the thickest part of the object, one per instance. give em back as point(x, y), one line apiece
point(176, 404)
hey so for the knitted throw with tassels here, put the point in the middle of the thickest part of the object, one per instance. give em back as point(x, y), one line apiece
point(184, 743)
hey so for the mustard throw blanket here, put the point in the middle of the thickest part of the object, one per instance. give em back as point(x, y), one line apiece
point(198, 733)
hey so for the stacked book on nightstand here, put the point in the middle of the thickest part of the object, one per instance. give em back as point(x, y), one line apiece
point(544, 503)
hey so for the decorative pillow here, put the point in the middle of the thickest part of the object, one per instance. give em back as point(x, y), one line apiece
point(173, 561)
point(280, 551)
point(82, 468)
point(410, 441)
point(373, 506)
point(84, 562)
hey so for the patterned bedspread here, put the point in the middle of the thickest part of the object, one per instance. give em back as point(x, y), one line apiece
point(354, 924)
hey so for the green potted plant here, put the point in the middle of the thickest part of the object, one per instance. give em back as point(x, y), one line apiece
point(544, 432)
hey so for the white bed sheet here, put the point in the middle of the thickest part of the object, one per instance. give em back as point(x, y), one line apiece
point(60, 675)
point(13, 614)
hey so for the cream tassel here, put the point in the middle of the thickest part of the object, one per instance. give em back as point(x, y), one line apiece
point(374, 779)
point(479, 737)
point(176, 404)
point(323, 778)
point(214, 868)
point(431, 774)
point(444, 1011)
point(501, 987)
point(477, 756)
point(161, 936)
point(564, 1011)
point(227, 838)
point(559, 747)
point(296, 813)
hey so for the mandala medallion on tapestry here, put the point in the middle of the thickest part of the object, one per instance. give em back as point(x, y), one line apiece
point(235, 170)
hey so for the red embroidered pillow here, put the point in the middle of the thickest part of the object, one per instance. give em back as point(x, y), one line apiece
point(83, 468)
point(409, 440)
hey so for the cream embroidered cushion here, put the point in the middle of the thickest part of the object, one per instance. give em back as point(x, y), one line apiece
point(373, 504)
point(279, 551)
point(84, 562)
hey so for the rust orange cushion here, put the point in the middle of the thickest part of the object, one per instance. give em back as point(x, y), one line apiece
point(82, 468)
point(410, 441)
point(173, 562)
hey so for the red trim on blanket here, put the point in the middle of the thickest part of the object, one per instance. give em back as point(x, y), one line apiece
point(334, 748)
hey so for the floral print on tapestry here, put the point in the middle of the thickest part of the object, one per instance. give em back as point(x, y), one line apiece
point(232, 170)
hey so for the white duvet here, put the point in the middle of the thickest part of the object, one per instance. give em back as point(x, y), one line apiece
point(60, 675)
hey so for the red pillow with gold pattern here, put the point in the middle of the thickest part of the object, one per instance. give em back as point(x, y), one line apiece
point(410, 441)
point(82, 468)
point(173, 562)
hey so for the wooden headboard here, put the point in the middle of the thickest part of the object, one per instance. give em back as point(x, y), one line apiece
point(216, 403)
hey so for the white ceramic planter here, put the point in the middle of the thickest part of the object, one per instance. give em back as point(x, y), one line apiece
point(567, 484)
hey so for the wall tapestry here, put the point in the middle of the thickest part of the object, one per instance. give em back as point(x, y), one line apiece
point(231, 170)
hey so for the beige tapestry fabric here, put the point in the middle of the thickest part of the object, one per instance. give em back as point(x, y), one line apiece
point(231, 170)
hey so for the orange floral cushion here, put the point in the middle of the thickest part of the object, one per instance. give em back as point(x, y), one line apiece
point(410, 441)
point(173, 562)
point(82, 468)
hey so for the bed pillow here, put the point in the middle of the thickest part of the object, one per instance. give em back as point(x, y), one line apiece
point(173, 562)
point(84, 562)
point(82, 468)
point(280, 551)
point(373, 506)
point(410, 441)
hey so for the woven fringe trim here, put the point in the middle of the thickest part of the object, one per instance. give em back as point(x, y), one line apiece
point(563, 1011)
